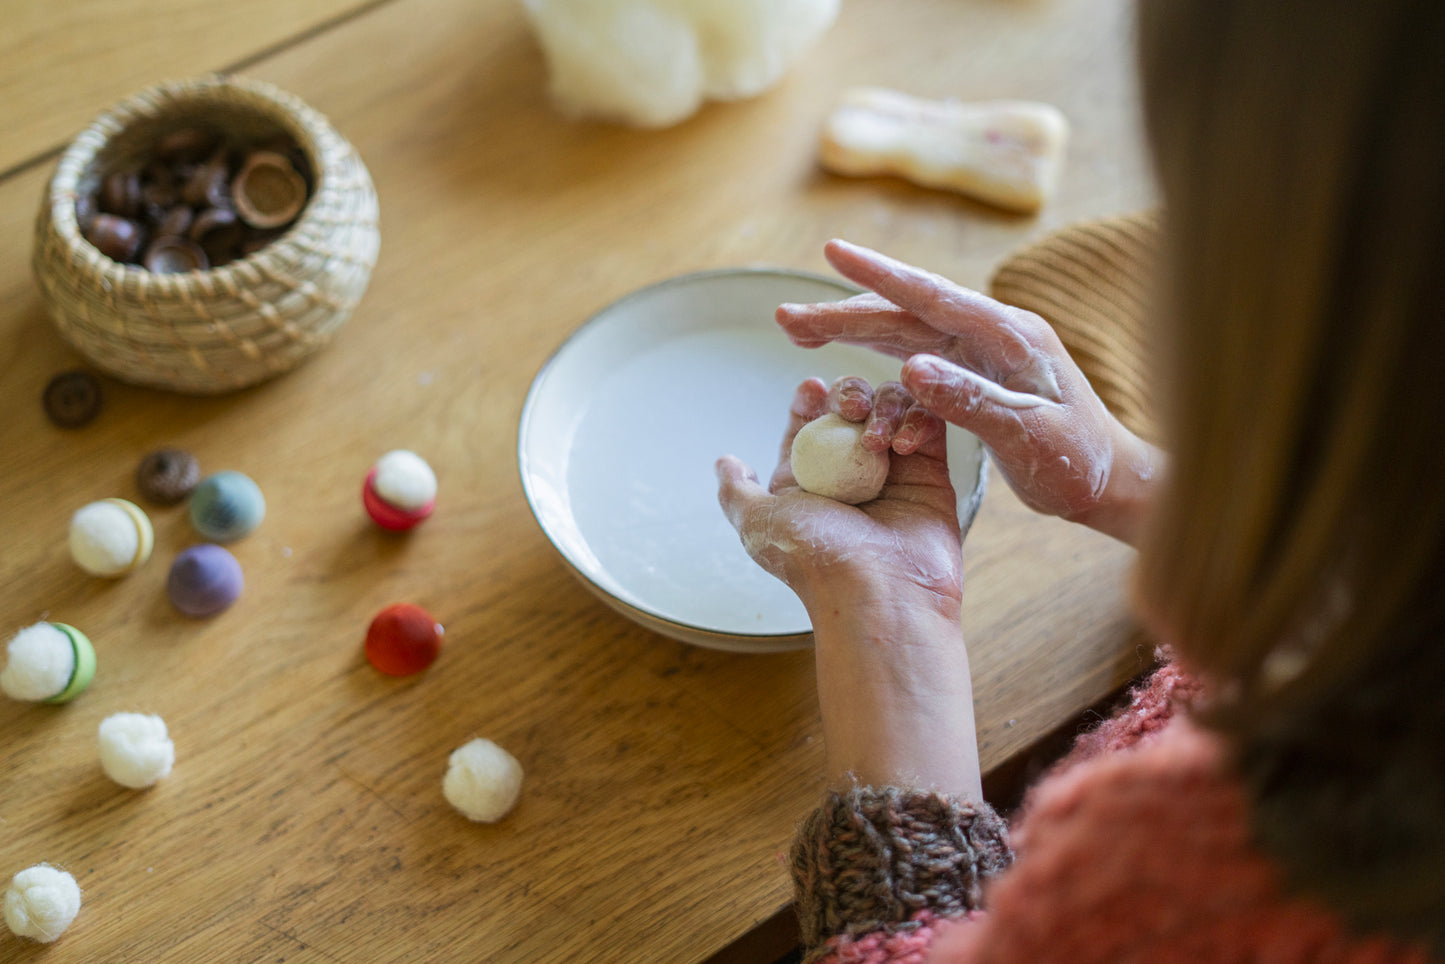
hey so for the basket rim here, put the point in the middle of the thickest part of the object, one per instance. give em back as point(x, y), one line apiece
point(314, 133)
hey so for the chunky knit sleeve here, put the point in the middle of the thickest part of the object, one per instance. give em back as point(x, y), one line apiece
point(882, 860)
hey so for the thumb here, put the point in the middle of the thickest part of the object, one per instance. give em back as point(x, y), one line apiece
point(738, 489)
point(965, 398)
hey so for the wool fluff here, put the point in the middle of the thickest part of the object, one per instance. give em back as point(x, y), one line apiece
point(483, 781)
point(39, 662)
point(135, 750)
point(829, 459)
point(404, 480)
point(653, 62)
point(41, 902)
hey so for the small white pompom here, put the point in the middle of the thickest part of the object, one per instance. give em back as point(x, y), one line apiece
point(483, 781)
point(41, 903)
point(404, 480)
point(110, 537)
point(829, 459)
point(135, 750)
point(39, 661)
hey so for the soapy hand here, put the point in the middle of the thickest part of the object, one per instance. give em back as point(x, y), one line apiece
point(908, 535)
point(999, 372)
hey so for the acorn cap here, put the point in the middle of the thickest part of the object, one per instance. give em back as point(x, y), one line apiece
point(84, 670)
point(268, 191)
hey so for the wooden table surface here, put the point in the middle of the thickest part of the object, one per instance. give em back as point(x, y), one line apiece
point(304, 820)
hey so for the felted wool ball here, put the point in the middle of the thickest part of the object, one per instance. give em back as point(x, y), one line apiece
point(47, 662)
point(403, 639)
point(110, 537)
point(483, 781)
point(227, 506)
point(400, 490)
point(204, 580)
point(829, 459)
point(135, 749)
point(41, 902)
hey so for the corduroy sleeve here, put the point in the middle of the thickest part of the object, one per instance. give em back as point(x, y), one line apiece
point(873, 858)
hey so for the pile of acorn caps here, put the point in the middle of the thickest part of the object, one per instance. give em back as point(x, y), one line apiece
point(200, 201)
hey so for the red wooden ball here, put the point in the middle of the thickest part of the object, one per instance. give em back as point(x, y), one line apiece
point(386, 515)
point(403, 639)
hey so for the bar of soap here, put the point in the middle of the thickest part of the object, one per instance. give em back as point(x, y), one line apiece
point(1007, 153)
point(829, 459)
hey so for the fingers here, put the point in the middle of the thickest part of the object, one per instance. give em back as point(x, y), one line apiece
point(867, 320)
point(890, 403)
point(810, 400)
point(851, 397)
point(969, 400)
point(738, 489)
point(978, 331)
point(921, 431)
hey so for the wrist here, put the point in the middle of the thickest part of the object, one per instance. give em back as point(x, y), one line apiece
point(894, 689)
point(1134, 476)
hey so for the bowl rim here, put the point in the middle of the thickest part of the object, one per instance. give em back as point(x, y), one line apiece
point(774, 642)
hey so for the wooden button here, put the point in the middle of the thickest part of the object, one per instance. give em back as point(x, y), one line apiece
point(72, 399)
point(166, 476)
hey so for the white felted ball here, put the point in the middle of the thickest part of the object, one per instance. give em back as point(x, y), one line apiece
point(829, 459)
point(135, 750)
point(110, 537)
point(483, 780)
point(41, 902)
point(39, 662)
point(403, 479)
point(653, 62)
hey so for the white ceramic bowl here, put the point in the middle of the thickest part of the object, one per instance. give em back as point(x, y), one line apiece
point(622, 426)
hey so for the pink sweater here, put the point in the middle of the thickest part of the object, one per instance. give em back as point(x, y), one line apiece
point(1135, 849)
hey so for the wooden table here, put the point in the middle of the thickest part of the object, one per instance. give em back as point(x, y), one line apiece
point(304, 820)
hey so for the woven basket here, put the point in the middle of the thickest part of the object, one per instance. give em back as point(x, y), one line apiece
point(206, 332)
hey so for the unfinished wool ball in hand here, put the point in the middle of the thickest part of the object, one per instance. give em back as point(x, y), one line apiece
point(47, 662)
point(41, 902)
point(135, 749)
point(653, 62)
point(829, 459)
point(110, 537)
point(483, 781)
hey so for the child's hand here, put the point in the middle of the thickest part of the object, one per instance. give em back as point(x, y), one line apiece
point(999, 372)
point(908, 536)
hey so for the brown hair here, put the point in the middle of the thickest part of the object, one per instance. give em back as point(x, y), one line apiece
point(1297, 556)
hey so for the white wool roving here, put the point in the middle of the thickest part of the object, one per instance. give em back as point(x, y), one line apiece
point(483, 781)
point(41, 902)
point(404, 480)
point(39, 661)
point(135, 750)
point(653, 62)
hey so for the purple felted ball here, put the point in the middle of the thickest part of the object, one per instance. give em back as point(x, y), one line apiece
point(204, 580)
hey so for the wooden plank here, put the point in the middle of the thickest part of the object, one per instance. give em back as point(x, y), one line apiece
point(61, 63)
point(304, 819)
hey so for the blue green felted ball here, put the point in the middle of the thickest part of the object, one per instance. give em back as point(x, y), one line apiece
point(227, 506)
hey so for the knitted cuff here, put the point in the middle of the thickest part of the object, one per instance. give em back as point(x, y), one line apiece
point(872, 858)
